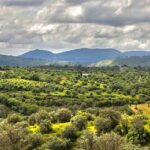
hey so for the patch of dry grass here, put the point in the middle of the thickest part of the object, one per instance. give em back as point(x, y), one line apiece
point(141, 107)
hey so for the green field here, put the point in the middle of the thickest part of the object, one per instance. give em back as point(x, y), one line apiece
point(56, 108)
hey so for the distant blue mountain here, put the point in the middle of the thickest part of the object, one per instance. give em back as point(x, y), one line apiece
point(83, 55)
point(137, 53)
point(38, 54)
point(19, 61)
point(86, 55)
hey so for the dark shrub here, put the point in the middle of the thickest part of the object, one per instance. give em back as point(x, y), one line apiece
point(79, 122)
point(45, 126)
point(64, 115)
point(70, 132)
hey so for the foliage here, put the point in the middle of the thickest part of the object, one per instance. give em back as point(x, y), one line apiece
point(56, 108)
point(70, 132)
point(45, 126)
point(86, 141)
point(79, 122)
point(56, 143)
point(138, 136)
point(14, 118)
point(33, 141)
point(103, 125)
point(64, 115)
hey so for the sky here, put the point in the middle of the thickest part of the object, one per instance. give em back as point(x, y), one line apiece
point(59, 25)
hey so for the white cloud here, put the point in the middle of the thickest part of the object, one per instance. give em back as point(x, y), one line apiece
point(129, 28)
point(125, 4)
point(75, 11)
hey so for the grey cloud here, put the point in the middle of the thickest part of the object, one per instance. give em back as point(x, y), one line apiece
point(97, 35)
point(21, 2)
point(67, 24)
point(100, 12)
point(76, 2)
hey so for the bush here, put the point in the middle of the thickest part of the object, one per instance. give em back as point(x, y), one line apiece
point(42, 115)
point(45, 126)
point(53, 117)
point(33, 141)
point(32, 119)
point(111, 114)
point(138, 136)
point(103, 125)
point(34, 77)
point(28, 109)
point(123, 127)
point(115, 142)
point(14, 118)
point(86, 141)
point(94, 111)
point(70, 132)
point(3, 111)
point(56, 143)
point(38, 117)
point(110, 141)
point(79, 122)
point(64, 115)
point(12, 138)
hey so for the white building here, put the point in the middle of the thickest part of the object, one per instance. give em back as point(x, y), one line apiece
point(85, 75)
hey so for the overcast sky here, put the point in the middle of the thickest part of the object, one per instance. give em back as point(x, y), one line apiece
point(59, 25)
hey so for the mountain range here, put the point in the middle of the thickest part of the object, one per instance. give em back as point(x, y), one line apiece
point(83, 56)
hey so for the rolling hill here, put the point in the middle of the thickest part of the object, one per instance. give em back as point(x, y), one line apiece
point(83, 55)
point(38, 54)
point(130, 61)
point(19, 61)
